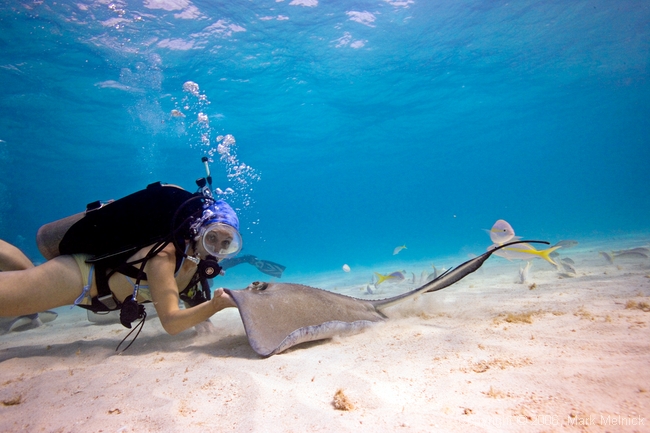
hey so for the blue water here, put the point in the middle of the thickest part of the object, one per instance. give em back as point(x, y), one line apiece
point(360, 126)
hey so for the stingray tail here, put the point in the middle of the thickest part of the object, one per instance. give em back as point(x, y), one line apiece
point(448, 277)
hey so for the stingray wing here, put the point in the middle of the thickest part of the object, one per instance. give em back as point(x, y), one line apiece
point(277, 316)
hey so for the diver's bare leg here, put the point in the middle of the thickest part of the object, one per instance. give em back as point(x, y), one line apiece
point(12, 259)
point(53, 284)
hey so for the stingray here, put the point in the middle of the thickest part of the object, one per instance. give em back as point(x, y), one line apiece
point(278, 316)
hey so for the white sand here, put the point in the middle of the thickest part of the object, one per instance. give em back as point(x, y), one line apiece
point(460, 360)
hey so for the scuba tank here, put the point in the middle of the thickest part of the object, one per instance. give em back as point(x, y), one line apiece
point(49, 235)
point(108, 229)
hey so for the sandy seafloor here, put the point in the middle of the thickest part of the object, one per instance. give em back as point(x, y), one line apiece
point(485, 355)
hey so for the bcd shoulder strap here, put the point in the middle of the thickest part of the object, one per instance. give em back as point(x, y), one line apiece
point(127, 224)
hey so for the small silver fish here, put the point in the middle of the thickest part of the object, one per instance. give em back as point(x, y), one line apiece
point(569, 243)
point(568, 267)
point(523, 272)
point(501, 232)
point(433, 275)
point(642, 250)
point(568, 260)
point(608, 258)
point(631, 255)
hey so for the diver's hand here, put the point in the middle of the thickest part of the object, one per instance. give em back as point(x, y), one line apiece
point(221, 300)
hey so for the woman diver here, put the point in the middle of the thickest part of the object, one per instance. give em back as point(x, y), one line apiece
point(103, 274)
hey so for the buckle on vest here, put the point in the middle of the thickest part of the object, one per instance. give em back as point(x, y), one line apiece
point(108, 301)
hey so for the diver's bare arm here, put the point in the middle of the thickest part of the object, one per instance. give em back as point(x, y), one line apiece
point(12, 259)
point(164, 291)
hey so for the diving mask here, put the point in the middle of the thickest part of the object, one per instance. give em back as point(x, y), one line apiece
point(220, 240)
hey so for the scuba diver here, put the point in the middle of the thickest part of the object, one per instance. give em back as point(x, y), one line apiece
point(159, 245)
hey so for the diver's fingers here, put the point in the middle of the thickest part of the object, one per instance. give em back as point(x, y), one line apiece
point(222, 299)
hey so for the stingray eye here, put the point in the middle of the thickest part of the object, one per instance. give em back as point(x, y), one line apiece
point(258, 285)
